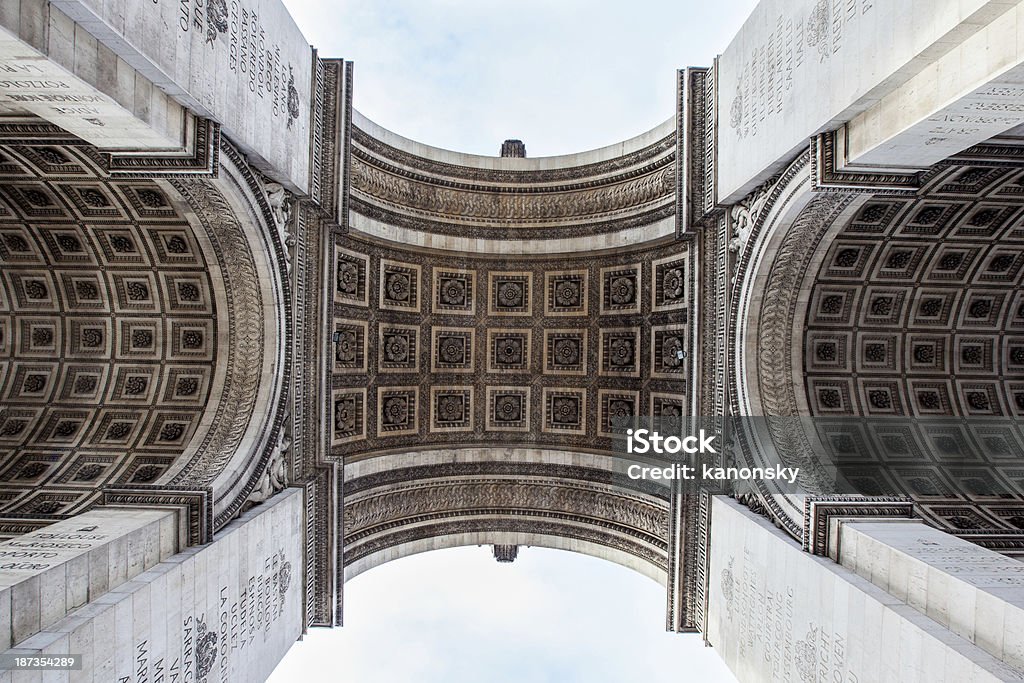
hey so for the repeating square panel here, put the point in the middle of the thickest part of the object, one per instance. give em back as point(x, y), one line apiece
point(565, 410)
point(133, 384)
point(900, 260)
point(148, 203)
point(174, 246)
point(979, 398)
point(348, 415)
point(452, 349)
point(833, 306)
point(509, 293)
point(399, 286)
point(169, 430)
point(620, 289)
point(931, 397)
point(1001, 266)
point(930, 219)
point(191, 340)
point(830, 396)
point(566, 293)
point(878, 353)
point(84, 292)
point(350, 269)
point(398, 348)
point(508, 350)
point(67, 244)
point(508, 409)
point(933, 307)
point(17, 245)
point(185, 385)
point(92, 201)
point(34, 290)
point(982, 310)
point(350, 349)
point(881, 398)
point(83, 383)
point(134, 292)
point(951, 263)
point(32, 382)
point(138, 339)
point(454, 291)
point(617, 410)
point(620, 352)
point(667, 411)
point(89, 469)
point(670, 283)
point(848, 260)
point(397, 411)
point(829, 352)
point(64, 427)
point(451, 409)
point(17, 424)
point(668, 343)
point(37, 337)
point(120, 246)
point(89, 337)
point(117, 428)
point(187, 293)
point(33, 200)
point(875, 217)
point(565, 352)
point(985, 220)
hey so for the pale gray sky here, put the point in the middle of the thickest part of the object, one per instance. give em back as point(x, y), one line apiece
point(457, 616)
point(563, 76)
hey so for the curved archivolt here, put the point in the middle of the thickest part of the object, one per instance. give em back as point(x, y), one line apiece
point(406, 192)
point(426, 501)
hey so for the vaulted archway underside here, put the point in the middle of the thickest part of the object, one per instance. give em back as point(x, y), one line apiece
point(137, 355)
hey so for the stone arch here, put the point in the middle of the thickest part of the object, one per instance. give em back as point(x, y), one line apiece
point(246, 439)
point(125, 299)
point(420, 501)
point(829, 312)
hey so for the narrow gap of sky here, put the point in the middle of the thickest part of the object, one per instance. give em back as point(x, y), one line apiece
point(562, 75)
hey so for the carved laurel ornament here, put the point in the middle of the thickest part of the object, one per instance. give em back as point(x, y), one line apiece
point(771, 379)
point(245, 333)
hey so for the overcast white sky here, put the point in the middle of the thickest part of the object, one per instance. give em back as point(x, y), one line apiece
point(564, 76)
point(458, 616)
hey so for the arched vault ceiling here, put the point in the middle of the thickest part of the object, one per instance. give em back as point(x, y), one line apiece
point(108, 330)
point(141, 329)
point(917, 307)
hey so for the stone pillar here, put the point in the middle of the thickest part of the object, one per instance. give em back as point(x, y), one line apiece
point(227, 611)
point(974, 592)
point(777, 613)
point(46, 574)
